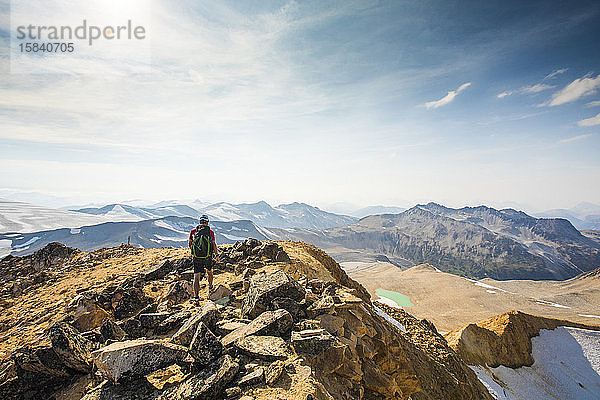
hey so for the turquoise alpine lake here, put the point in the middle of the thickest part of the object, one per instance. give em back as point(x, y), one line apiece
point(398, 298)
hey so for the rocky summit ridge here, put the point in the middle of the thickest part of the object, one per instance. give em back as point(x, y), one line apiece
point(284, 322)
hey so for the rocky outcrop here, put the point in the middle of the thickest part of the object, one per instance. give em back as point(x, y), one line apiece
point(293, 326)
point(503, 340)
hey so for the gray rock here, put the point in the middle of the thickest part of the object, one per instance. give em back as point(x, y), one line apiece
point(158, 271)
point(205, 347)
point(136, 358)
point(279, 323)
point(71, 348)
point(264, 347)
point(152, 320)
point(173, 322)
point(208, 314)
point(111, 331)
point(266, 287)
point(179, 292)
point(292, 306)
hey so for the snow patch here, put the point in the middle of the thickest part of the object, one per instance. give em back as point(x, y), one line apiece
point(25, 245)
point(390, 319)
point(589, 315)
point(75, 231)
point(5, 247)
point(163, 224)
point(491, 291)
point(233, 237)
point(551, 304)
point(171, 238)
point(388, 302)
point(566, 366)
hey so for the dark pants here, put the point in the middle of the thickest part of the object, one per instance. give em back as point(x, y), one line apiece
point(200, 264)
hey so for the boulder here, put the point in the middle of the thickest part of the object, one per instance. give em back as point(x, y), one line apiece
point(264, 347)
point(292, 306)
point(274, 371)
point(208, 314)
point(264, 288)
point(220, 294)
point(279, 323)
point(152, 320)
point(127, 301)
point(139, 389)
point(227, 326)
point(53, 254)
point(111, 331)
point(312, 341)
point(87, 314)
point(132, 327)
point(209, 384)
point(136, 358)
point(173, 322)
point(70, 347)
point(179, 292)
point(205, 347)
point(332, 324)
point(157, 271)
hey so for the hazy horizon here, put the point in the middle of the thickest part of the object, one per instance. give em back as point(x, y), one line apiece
point(388, 103)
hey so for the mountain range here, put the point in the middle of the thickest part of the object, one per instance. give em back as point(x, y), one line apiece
point(295, 214)
point(151, 233)
point(471, 241)
point(582, 216)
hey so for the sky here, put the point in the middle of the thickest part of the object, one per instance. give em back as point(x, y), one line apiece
point(348, 103)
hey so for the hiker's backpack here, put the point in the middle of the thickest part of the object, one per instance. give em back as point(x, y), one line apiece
point(201, 242)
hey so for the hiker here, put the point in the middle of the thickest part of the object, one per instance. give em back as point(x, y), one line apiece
point(203, 247)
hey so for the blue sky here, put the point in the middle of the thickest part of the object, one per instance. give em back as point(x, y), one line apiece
point(361, 102)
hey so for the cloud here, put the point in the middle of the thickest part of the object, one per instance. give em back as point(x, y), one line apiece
point(447, 98)
point(536, 88)
point(593, 121)
point(593, 103)
point(575, 90)
point(530, 89)
point(557, 72)
point(574, 138)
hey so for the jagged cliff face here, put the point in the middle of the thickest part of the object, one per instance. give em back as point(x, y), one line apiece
point(284, 321)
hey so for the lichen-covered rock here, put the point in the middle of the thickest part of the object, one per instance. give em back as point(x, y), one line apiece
point(111, 331)
point(152, 320)
point(265, 347)
point(135, 358)
point(157, 271)
point(205, 347)
point(253, 378)
point(208, 314)
point(264, 288)
point(274, 371)
point(71, 348)
point(179, 292)
point(278, 322)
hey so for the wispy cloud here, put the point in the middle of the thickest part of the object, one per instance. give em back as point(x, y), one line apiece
point(447, 98)
point(593, 104)
point(575, 90)
point(593, 121)
point(530, 89)
point(557, 72)
point(575, 138)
